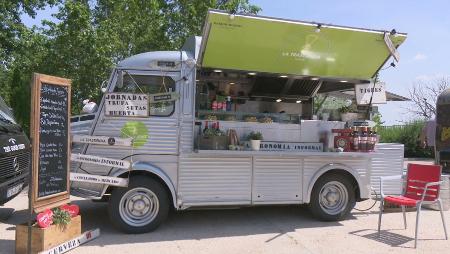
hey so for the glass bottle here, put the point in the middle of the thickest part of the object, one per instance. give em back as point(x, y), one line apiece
point(355, 140)
point(363, 140)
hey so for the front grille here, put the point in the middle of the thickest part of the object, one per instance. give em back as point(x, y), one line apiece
point(7, 170)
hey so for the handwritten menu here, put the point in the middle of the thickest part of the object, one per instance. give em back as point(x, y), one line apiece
point(53, 140)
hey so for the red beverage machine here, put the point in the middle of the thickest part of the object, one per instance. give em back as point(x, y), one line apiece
point(344, 139)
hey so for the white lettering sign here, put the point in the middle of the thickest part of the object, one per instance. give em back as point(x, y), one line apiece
point(163, 97)
point(100, 161)
point(102, 140)
point(289, 146)
point(74, 243)
point(87, 178)
point(366, 91)
point(391, 47)
point(126, 104)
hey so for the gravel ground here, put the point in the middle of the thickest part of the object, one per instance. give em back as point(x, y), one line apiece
point(274, 229)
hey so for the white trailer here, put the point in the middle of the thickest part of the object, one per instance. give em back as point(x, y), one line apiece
point(170, 169)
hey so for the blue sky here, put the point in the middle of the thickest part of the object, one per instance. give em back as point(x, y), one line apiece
point(424, 55)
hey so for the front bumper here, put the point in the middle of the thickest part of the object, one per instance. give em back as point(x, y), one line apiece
point(23, 178)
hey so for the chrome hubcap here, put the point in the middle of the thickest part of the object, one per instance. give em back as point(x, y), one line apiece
point(139, 207)
point(333, 197)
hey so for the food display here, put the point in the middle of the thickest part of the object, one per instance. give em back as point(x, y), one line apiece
point(358, 139)
point(266, 119)
point(230, 118)
point(251, 119)
point(211, 117)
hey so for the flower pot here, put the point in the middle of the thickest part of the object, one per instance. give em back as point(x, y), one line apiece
point(46, 238)
point(345, 117)
point(214, 143)
point(255, 144)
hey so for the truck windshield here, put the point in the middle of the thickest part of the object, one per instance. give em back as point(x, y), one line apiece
point(5, 113)
point(150, 85)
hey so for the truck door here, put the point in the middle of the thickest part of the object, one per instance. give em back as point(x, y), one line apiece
point(155, 136)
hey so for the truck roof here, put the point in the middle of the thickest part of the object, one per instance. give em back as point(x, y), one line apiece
point(153, 60)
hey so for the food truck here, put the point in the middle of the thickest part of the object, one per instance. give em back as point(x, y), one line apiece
point(183, 128)
point(442, 144)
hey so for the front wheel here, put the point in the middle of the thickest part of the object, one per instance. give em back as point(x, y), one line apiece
point(139, 208)
point(332, 197)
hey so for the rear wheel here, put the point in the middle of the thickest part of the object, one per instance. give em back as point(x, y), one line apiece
point(332, 197)
point(141, 207)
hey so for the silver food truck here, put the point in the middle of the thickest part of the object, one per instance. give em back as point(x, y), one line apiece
point(180, 129)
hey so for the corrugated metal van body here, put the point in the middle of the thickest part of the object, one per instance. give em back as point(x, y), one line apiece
point(205, 180)
point(248, 178)
point(277, 180)
point(387, 161)
point(359, 166)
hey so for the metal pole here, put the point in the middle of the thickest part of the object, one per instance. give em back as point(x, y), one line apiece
point(30, 209)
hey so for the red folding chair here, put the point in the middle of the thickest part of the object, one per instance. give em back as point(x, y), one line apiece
point(422, 187)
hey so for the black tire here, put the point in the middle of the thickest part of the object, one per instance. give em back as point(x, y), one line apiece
point(141, 185)
point(320, 211)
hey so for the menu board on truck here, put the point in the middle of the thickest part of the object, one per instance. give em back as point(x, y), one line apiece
point(50, 114)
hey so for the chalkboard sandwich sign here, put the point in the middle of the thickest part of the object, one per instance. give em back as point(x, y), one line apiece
point(50, 133)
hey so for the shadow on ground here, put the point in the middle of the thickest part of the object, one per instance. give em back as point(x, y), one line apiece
point(196, 224)
point(386, 237)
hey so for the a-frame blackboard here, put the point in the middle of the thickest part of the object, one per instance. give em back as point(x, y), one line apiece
point(50, 134)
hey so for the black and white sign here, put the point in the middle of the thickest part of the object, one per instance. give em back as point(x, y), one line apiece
point(102, 140)
point(391, 47)
point(53, 139)
point(163, 97)
point(88, 178)
point(100, 161)
point(126, 104)
point(289, 146)
point(74, 243)
point(364, 92)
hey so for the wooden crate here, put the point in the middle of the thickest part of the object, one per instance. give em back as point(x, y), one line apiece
point(44, 239)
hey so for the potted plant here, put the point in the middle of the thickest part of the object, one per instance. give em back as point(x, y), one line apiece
point(255, 140)
point(348, 113)
point(213, 139)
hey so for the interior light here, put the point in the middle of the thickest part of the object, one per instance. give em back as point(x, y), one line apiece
point(217, 71)
point(278, 100)
point(231, 83)
point(252, 73)
point(319, 26)
point(315, 78)
point(283, 76)
point(298, 101)
point(343, 81)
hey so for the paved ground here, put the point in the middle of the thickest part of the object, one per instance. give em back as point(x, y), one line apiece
point(285, 229)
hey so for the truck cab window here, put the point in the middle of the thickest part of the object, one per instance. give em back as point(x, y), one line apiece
point(5, 113)
point(150, 85)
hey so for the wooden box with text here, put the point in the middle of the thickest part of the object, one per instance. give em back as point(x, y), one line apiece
point(44, 239)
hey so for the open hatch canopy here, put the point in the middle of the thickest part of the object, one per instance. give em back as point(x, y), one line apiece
point(270, 45)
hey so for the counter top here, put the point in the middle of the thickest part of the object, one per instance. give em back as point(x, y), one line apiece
point(283, 153)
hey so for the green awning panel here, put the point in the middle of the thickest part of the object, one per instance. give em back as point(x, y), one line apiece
point(260, 44)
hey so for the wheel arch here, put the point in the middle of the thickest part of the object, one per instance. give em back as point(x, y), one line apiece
point(148, 169)
point(335, 168)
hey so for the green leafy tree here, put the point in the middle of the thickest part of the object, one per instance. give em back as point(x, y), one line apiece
point(88, 38)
